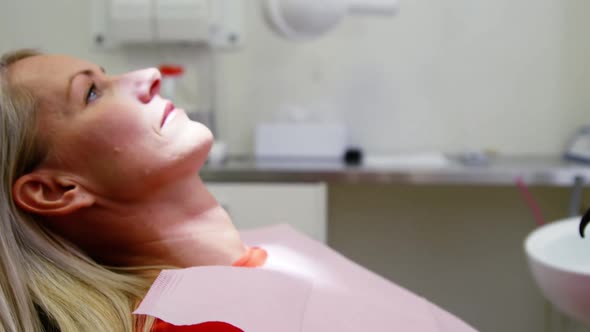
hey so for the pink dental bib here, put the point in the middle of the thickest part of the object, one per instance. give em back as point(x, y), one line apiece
point(304, 286)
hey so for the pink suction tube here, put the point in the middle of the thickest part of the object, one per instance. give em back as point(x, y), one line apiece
point(530, 201)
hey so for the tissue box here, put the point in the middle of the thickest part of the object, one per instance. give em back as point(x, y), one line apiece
point(300, 141)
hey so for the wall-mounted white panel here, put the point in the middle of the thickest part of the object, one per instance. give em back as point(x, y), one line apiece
point(218, 23)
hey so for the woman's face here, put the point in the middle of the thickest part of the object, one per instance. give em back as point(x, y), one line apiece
point(116, 134)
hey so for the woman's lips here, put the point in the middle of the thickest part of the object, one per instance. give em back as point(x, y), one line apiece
point(169, 108)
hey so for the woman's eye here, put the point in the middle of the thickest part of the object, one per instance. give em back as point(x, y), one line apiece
point(92, 94)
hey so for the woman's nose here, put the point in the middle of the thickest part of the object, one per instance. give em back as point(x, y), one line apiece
point(148, 82)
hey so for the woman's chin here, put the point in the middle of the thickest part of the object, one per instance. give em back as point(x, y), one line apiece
point(185, 153)
point(201, 147)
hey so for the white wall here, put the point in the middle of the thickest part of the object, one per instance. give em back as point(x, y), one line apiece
point(577, 50)
point(444, 75)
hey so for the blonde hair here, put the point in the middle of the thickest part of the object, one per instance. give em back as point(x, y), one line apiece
point(46, 283)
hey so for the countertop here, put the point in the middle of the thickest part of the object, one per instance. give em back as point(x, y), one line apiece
point(533, 170)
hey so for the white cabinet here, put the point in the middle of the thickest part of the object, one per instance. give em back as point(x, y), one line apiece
point(250, 205)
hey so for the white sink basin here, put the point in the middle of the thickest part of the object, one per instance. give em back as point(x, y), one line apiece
point(559, 260)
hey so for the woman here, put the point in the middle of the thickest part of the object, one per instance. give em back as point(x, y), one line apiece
point(100, 190)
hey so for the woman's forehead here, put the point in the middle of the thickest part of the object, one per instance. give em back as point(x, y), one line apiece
point(48, 72)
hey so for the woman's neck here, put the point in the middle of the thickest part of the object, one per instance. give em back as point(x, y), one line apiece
point(181, 225)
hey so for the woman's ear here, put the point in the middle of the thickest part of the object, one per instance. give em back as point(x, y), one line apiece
point(50, 195)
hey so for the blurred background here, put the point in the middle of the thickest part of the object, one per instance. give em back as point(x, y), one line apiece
point(505, 79)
